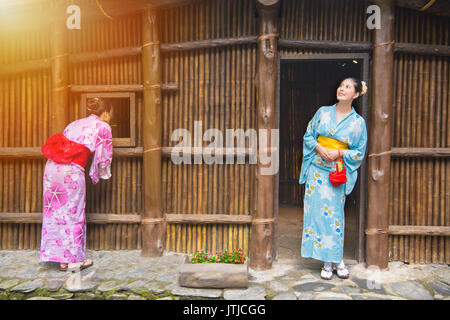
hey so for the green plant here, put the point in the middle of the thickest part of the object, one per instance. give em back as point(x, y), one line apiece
point(236, 257)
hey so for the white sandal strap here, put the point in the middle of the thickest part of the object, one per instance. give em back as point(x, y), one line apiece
point(343, 271)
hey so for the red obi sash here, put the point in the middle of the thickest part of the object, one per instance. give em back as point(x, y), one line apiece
point(62, 150)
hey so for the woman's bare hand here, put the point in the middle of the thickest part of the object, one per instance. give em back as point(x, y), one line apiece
point(335, 154)
point(325, 153)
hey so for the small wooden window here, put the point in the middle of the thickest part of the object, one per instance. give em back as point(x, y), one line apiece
point(123, 121)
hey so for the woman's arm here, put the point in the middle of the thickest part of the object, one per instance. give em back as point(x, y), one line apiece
point(101, 162)
point(354, 156)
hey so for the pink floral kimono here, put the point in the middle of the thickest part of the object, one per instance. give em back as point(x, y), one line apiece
point(63, 237)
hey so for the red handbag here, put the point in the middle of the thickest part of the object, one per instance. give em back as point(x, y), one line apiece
point(337, 174)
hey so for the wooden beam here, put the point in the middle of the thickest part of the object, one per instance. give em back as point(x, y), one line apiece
point(353, 46)
point(326, 44)
point(419, 230)
point(422, 49)
point(24, 66)
point(59, 114)
point(208, 218)
point(262, 230)
point(207, 44)
point(119, 87)
point(105, 218)
point(36, 153)
point(421, 152)
point(95, 218)
point(105, 54)
point(347, 46)
point(379, 159)
point(437, 7)
point(153, 236)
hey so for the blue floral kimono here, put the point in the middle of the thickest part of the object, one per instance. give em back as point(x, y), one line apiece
point(323, 220)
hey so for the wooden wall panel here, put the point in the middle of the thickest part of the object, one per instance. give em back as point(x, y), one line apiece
point(24, 114)
point(122, 194)
point(420, 190)
point(216, 87)
point(25, 106)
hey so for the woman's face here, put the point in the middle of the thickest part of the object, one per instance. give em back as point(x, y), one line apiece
point(346, 91)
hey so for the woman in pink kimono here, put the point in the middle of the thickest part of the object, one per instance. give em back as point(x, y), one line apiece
point(63, 237)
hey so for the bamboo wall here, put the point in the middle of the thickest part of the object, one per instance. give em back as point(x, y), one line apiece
point(25, 106)
point(420, 188)
point(24, 114)
point(313, 20)
point(122, 194)
point(217, 87)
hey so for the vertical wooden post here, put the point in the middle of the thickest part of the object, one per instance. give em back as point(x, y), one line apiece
point(262, 231)
point(377, 249)
point(59, 67)
point(153, 223)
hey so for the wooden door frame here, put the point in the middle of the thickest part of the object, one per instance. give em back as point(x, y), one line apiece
point(360, 254)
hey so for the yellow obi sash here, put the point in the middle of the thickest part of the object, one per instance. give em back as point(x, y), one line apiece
point(331, 143)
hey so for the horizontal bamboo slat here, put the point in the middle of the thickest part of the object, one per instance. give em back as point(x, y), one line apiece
point(208, 218)
point(338, 46)
point(95, 218)
point(36, 153)
point(421, 152)
point(119, 88)
point(104, 218)
point(419, 230)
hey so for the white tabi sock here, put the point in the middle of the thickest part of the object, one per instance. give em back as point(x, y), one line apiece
point(340, 265)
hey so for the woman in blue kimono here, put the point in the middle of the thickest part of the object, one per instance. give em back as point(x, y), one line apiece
point(335, 132)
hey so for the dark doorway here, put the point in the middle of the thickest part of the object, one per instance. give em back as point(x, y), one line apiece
point(307, 82)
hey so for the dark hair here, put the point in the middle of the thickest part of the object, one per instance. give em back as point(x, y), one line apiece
point(357, 84)
point(97, 106)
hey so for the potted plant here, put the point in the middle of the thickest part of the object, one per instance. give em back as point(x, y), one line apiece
point(221, 270)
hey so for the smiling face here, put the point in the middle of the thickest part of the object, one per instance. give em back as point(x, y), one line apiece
point(346, 91)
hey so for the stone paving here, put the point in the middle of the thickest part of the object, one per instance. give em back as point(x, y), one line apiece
point(125, 275)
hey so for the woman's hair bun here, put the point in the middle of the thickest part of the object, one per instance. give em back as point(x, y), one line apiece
point(95, 106)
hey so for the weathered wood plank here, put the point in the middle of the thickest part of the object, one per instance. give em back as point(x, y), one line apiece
point(36, 153)
point(379, 158)
point(95, 218)
point(119, 88)
point(207, 218)
point(419, 230)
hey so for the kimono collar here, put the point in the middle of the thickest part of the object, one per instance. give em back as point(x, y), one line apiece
point(94, 115)
point(342, 120)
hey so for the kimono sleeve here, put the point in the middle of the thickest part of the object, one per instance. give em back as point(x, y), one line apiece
point(355, 155)
point(309, 145)
point(101, 162)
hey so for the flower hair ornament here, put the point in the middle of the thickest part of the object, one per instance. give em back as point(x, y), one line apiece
point(364, 87)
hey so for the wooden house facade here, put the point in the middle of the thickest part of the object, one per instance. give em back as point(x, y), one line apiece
point(229, 64)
